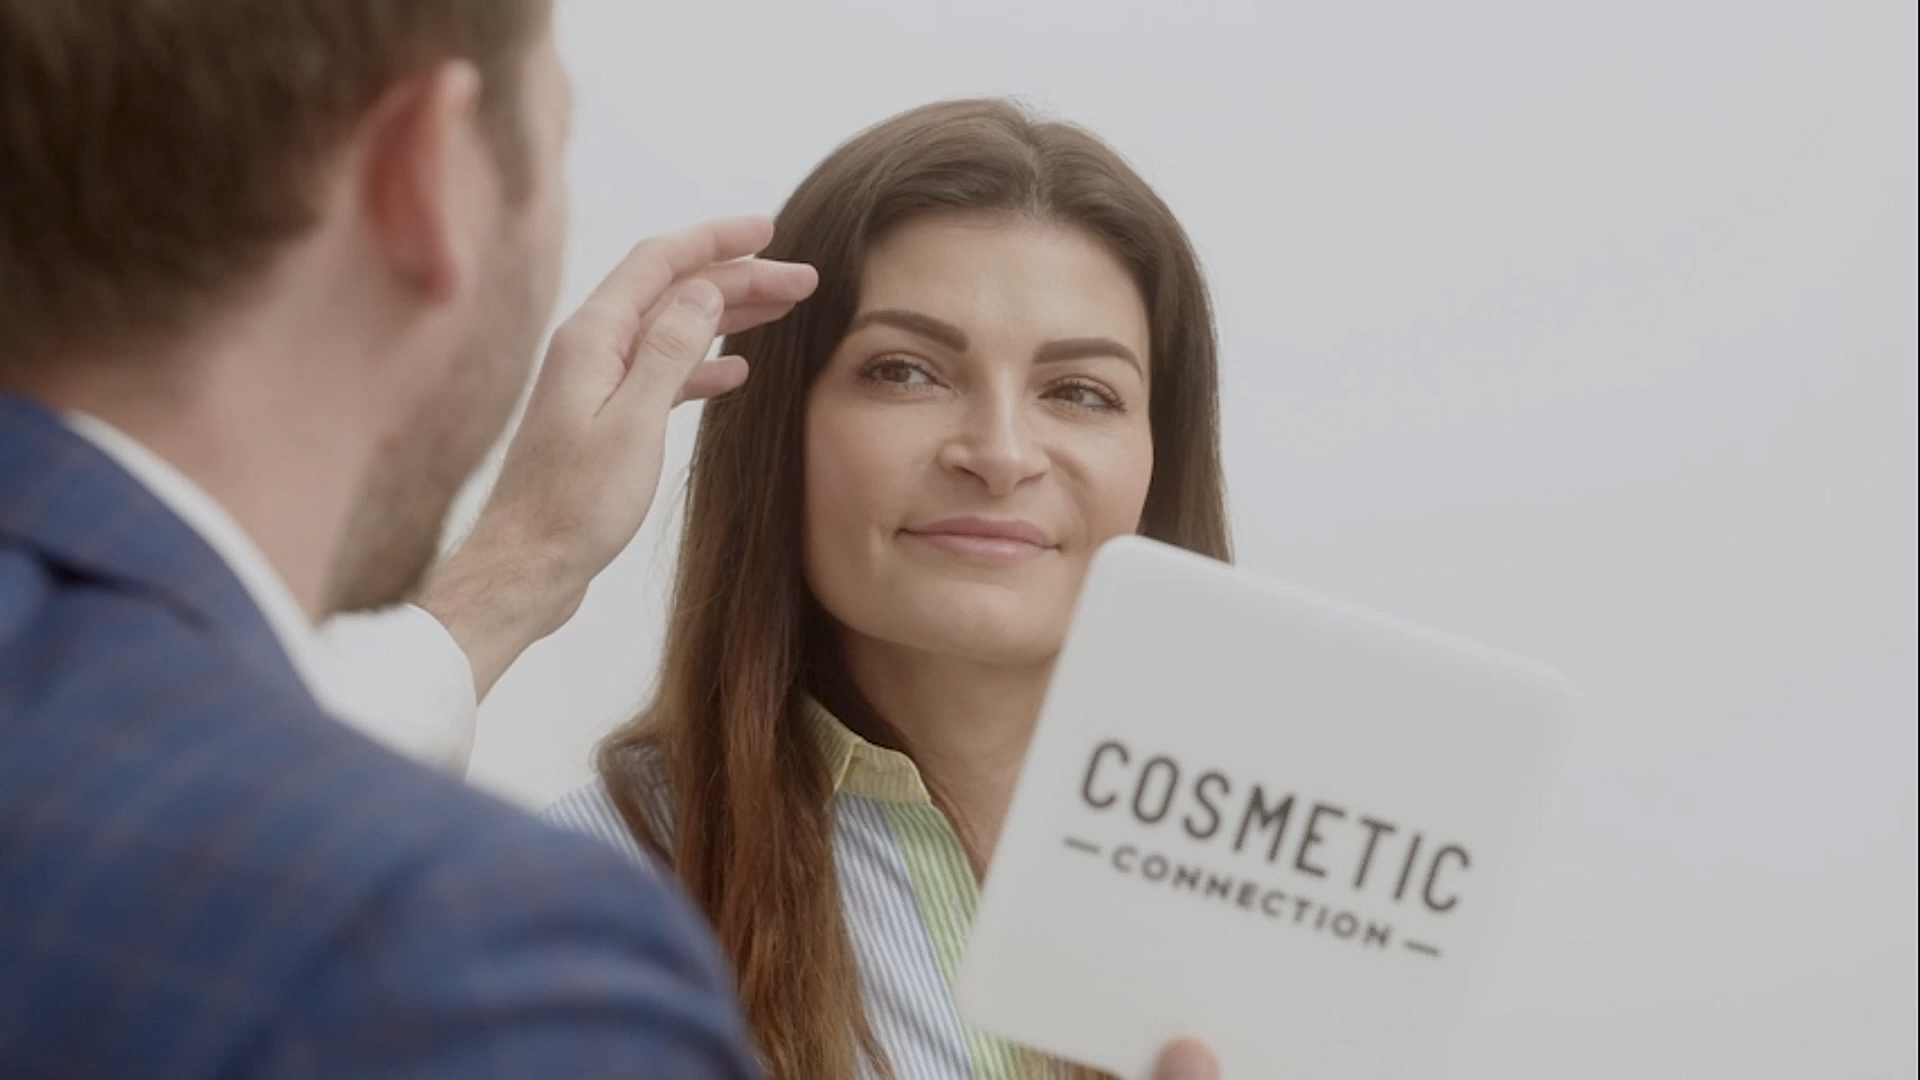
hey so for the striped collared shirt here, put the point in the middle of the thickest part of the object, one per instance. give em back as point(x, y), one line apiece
point(907, 893)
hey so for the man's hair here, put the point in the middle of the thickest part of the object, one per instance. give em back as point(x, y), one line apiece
point(155, 155)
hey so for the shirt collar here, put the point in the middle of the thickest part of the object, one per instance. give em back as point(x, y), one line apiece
point(203, 514)
point(859, 767)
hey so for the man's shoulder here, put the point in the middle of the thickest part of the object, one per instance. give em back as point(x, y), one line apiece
point(189, 845)
point(74, 643)
point(138, 746)
point(136, 742)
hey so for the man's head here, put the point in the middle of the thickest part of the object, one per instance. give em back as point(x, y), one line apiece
point(343, 217)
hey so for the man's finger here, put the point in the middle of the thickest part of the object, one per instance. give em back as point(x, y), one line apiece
point(654, 264)
point(671, 348)
point(756, 291)
point(1187, 1060)
point(722, 375)
point(737, 319)
point(747, 282)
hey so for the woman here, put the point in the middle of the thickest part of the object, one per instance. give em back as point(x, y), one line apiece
point(1009, 360)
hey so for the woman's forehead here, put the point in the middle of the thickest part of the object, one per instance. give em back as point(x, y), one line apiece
point(1001, 274)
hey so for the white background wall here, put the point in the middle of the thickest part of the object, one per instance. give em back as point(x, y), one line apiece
point(1587, 330)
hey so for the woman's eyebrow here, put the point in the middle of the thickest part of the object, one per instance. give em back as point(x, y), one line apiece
point(949, 336)
point(1054, 352)
point(935, 330)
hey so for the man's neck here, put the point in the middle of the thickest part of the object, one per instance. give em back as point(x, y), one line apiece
point(260, 450)
point(968, 724)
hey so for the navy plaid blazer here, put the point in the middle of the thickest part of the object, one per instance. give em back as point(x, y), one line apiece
point(203, 875)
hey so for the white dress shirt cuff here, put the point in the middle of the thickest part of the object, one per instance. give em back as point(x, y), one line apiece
point(398, 676)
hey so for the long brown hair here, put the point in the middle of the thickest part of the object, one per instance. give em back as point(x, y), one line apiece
point(746, 644)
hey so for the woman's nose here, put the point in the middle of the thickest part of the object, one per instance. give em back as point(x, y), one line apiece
point(997, 443)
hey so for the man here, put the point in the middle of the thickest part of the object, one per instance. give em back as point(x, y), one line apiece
point(271, 273)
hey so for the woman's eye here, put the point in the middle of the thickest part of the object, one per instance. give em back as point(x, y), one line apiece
point(898, 372)
point(1087, 396)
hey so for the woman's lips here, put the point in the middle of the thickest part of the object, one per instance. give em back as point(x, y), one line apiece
point(996, 540)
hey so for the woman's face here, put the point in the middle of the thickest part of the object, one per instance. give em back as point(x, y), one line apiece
point(981, 430)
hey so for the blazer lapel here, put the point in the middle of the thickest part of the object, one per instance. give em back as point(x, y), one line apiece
point(75, 507)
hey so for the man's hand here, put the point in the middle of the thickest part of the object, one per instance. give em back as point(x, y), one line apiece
point(581, 471)
point(1186, 1060)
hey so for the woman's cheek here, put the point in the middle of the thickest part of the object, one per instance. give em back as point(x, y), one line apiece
point(853, 464)
point(1114, 485)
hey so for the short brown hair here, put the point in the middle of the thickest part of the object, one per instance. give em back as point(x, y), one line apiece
point(156, 154)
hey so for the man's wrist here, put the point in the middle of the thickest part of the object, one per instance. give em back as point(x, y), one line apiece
point(497, 601)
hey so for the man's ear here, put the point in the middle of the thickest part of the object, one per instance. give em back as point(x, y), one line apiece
point(428, 188)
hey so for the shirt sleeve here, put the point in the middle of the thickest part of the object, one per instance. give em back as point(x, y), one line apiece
point(399, 677)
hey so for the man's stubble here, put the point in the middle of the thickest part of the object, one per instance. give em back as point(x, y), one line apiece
point(394, 532)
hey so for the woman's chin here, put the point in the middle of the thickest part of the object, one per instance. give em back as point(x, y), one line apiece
point(991, 634)
point(970, 621)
